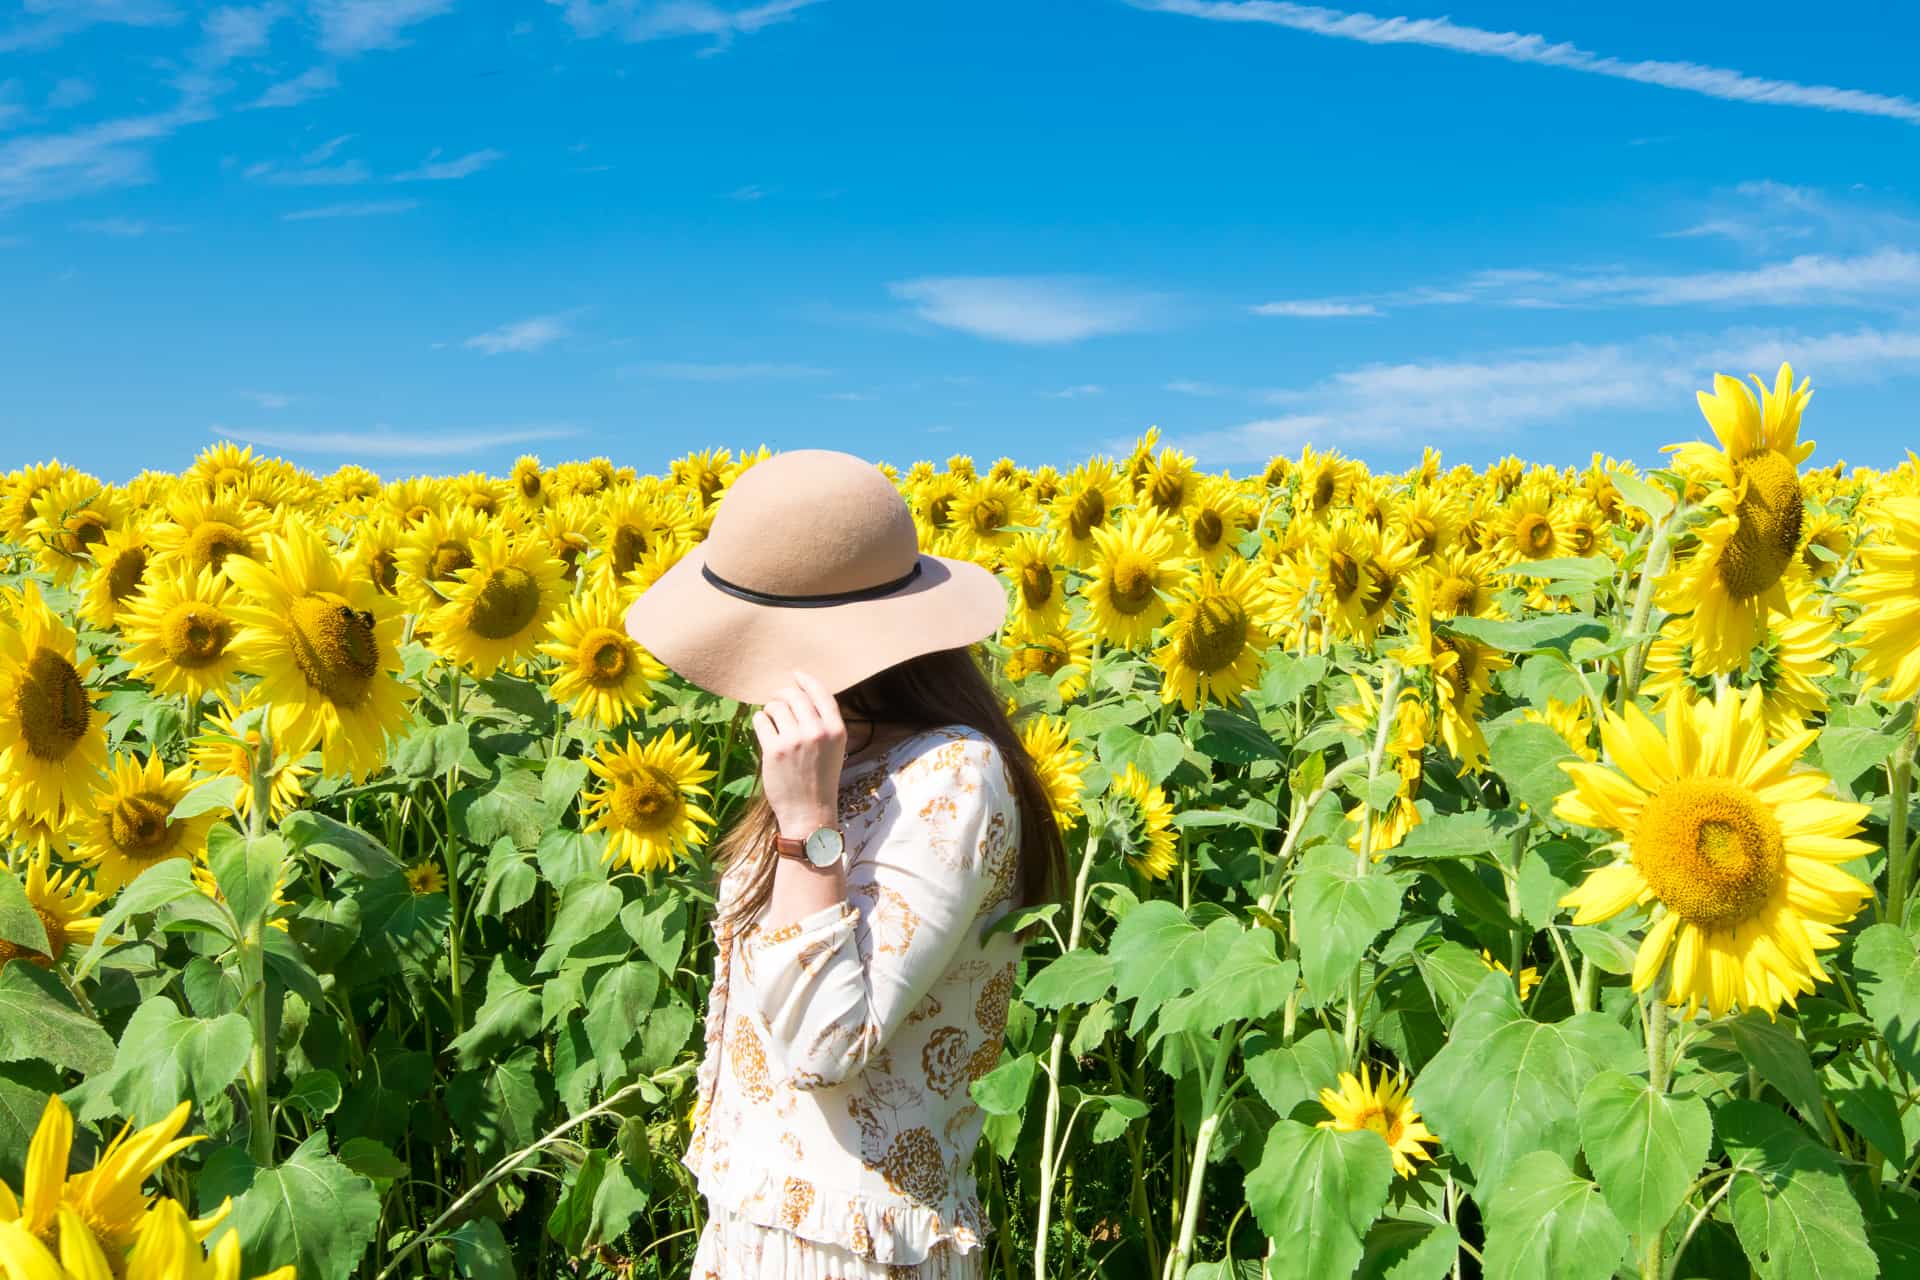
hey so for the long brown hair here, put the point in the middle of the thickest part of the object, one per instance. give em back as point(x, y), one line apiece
point(939, 688)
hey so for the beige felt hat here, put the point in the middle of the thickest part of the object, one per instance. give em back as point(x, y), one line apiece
point(813, 562)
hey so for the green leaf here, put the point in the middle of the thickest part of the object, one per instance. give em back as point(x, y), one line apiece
point(1504, 1085)
point(511, 806)
point(1847, 751)
point(1015, 921)
point(1527, 757)
point(1609, 952)
point(616, 1010)
point(431, 750)
point(247, 869)
point(1886, 971)
point(480, 1250)
point(1452, 974)
point(217, 793)
point(348, 848)
point(19, 922)
point(398, 923)
point(1790, 1202)
point(40, 1019)
point(1545, 1220)
point(1652, 499)
point(1248, 982)
point(1339, 911)
point(1288, 676)
point(1228, 735)
point(1535, 634)
point(1773, 1050)
point(499, 1107)
point(1291, 1074)
point(1867, 1105)
point(1645, 1148)
point(1402, 1250)
point(317, 1093)
point(152, 889)
point(1156, 955)
point(24, 1090)
point(1316, 1191)
point(586, 907)
point(371, 1159)
point(1003, 1090)
point(660, 931)
point(1078, 977)
point(510, 1016)
point(509, 880)
point(311, 1211)
point(1476, 834)
point(166, 1058)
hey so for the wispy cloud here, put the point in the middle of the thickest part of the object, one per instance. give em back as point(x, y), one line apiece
point(268, 399)
point(95, 157)
point(125, 228)
point(636, 21)
point(699, 371)
point(70, 91)
point(388, 442)
point(309, 84)
point(349, 27)
point(857, 397)
point(1443, 33)
point(345, 174)
point(523, 335)
point(48, 22)
point(236, 31)
point(434, 169)
point(1315, 309)
point(351, 209)
point(1075, 393)
point(1029, 309)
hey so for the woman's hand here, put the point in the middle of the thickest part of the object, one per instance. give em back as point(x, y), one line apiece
point(803, 745)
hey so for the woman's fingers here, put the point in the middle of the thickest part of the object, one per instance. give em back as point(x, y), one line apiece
point(825, 706)
point(782, 717)
point(806, 720)
point(763, 729)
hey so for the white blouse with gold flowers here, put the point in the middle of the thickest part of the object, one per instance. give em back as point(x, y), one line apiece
point(833, 1099)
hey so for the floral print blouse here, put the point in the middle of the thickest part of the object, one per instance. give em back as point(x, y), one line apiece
point(833, 1095)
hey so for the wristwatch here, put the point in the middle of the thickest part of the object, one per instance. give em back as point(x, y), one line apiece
point(822, 848)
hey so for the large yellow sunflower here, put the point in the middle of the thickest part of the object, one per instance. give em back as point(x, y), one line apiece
point(52, 745)
point(1735, 574)
point(1534, 525)
point(226, 748)
point(1786, 666)
point(529, 481)
point(1088, 499)
point(1057, 759)
point(636, 521)
point(985, 514)
point(1048, 653)
point(497, 609)
point(1740, 856)
point(432, 552)
point(63, 902)
point(21, 493)
point(119, 572)
point(1406, 748)
point(69, 521)
point(1134, 570)
point(1216, 514)
point(130, 828)
point(180, 633)
point(1149, 821)
point(1461, 584)
point(1166, 482)
point(650, 803)
point(1385, 1108)
point(1033, 562)
point(1887, 589)
point(603, 675)
point(1463, 671)
point(1216, 638)
point(325, 645)
point(1323, 483)
point(202, 531)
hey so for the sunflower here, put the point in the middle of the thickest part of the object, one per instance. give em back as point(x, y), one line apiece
point(570, 526)
point(352, 487)
point(1057, 759)
point(1407, 745)
point(1787, 665)
point(1571, 721)
point(604, 674)
point(425, 878)
point(1323, 484)
point(62, 901)
point(529, 481)
point(635, 522)
point(1385, 1108)
point(1588, 532)
point(179, 632)
point(226, 748)
point(1529, 976)
point(1358, 573)
point(1049, 653)
point(1039, 584)
point(130, 828)
point(1461, 584)
point(1887, 589)
point(326, 648)
point(1825, 542)
point(223, 465)
point(1428, 521)
point(105, 1203)
point(1735, 574)
point(498, 608)
point(1149, 826)
point(69, 521)
point(118, 574)
point(1087, 501)
point(52, 746)
point(1463, 671)
point(1214, 517)
point(201, 531)
point(705, 474)
point(1741, 856)
point(1533, 526)
point(169, 1248)
point(650, 803)
point(413, 499)
point(1216, 637)
point(375, 551)
point(1133, 571)
point(1166, 483)
point(21, 493)
point(985, 514)
point(432, 552)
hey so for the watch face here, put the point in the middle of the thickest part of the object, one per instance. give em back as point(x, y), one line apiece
point(824, 847)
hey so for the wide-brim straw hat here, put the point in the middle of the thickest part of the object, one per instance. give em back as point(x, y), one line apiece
point(812, 562)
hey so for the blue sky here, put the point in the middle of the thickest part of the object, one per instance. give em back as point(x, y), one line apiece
point(428, 235)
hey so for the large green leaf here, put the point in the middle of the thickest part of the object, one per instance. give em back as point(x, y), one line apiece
point(1157, 954)
point(1338, 912)
point(1527, 757)
point(152, 889)
point(1247, 982)
point(1545, 631)
point(166, 1058)
point(1003, 1090)
point(1645, 1147)
point(1505, 1085)
point(1477, 834)
point(1316, 1191)
point(19, 922)
point(1401, 1250)
point(480, 1249)
point(1545, 1220)
point(1886, 972)
point(40, 1019)
point(247, 869)
point(499, 1106)
point(509, 1017)
point(24, 1090)
point(586, 907)
point(1771, 1048)
point(1291, 1074)
point(617, 1009)
point(1790, 1203)
point(1078, 977)
point(348, 848)
point(310, 1210)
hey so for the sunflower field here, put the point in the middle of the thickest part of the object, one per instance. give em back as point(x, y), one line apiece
point(1498, 872)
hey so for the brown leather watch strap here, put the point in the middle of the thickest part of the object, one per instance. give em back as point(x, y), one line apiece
point(787, 848)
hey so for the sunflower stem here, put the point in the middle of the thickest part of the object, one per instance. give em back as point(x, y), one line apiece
point(1211, 1099)
point(1899, 857)
point(1056, 1048)
point(1389, 710)
point(252, 959)
point(1634, 664)
point(1657, 1064)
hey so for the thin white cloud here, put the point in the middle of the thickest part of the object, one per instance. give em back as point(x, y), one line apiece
point(1315, 309)
point(1074, 393)
point(124, 228)
point(637, 21)
point(1443, 33)
point(267, 399)
point(386, 442)
point(1036, 310)
point(345, 174)
point(523, 335)
point(309, 84)
point(95, 157)
point(1189, 387)
point(351, 209)
point(857, 397)
point(434, 169)
point(51, 21)
point(700, 371)
point(349, 27)
point(237, 31)
point(70, 91)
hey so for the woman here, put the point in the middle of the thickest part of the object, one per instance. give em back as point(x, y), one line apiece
point(855, 997)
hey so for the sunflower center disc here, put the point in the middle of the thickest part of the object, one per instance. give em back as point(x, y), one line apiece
point(1769, 533)
point(1215, 635)
point(988, 515)
point(84, 530)
point(334, 647)
point(1710, 850)
point(1132, 584)
point(647, 801)
point(1582, 539)
point(1322, 491)
point(506, 603)
point(1425, 535)
point(939, 511)
point(1536, 535)
point(385, 571)
point(195, 635)
point(52, 706)
point(139, 825)
point(1166, 491)
point(123, 578)
point(1208, 529)
point(1089, 513)
point(1453, 597)
point(530, 485)
point(603, 657)
point(212, 542)
point(448, 559)
point(1343, 571)
point(1036, 585)
point(629, 544)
